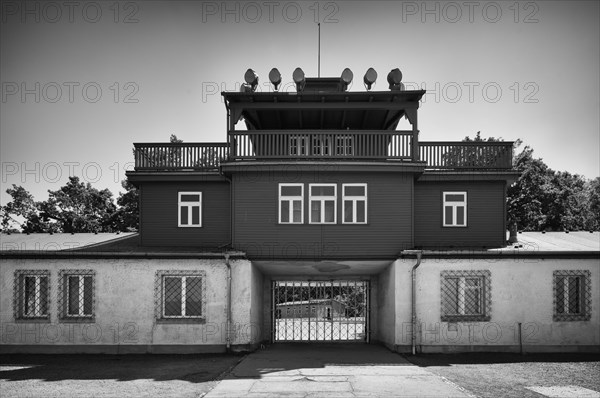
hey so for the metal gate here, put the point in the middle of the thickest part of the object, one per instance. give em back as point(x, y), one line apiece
point(320, 311)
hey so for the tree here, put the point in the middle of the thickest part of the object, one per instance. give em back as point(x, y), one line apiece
point(22, 206)
point(78, 207)
point(75, 207)
point(543, 199)
point(593, 222)
point(527, 198)
point(126, 217)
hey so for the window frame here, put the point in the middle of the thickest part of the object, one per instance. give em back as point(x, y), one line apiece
point(20, 299)
point(585, 295)
point(321, 145)
point(298, 145)
point(485, 295)
point(454, 205)
point(323, 199)
point(354, 200)
point(189, 205)
point(64, 295)
point(159, 292)
point(290, 202)
point(344, 145)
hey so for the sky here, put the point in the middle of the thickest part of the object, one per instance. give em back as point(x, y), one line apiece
point(82, 81)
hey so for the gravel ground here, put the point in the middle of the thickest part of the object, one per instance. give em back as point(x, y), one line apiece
point(67, 376)
point(508, 375)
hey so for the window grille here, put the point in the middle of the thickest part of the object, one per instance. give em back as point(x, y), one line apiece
point(291, 203)
point(455, 209)
point(466, 296)
point(180, 295)
point(190, 209)
point(572, 295)
point(354, 199)
point(31, 294)
point(76, 295)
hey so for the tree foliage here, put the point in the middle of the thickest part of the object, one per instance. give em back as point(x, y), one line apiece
point(75, 207)
point(544, 199)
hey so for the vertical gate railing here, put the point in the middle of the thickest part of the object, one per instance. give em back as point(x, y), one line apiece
point(336, 310)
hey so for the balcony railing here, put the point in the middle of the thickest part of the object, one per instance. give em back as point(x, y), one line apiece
point(467, 155)
point(338, 145)
point(331, 144)
point(180, 156)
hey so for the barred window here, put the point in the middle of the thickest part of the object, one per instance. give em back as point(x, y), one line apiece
point(354, 198)
point(323, 201)
point(291, 203)
point(466, 296)
point(572, 295)
point(32, 294)
point(180, 295)
point(76, 295)
point(190, 209)
point(455, 209)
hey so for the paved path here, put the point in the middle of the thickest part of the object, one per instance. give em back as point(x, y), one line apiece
point(332, 370)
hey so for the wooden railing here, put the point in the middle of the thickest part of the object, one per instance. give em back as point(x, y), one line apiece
point(180, 156)
point(324, 144)
point(332, 145)
point(466, 155)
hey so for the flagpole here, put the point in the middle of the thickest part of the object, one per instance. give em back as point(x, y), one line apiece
point(319, 57)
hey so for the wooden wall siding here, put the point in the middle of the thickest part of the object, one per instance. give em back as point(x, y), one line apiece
point(258, 232)
point(159, 215)
point(485, 215)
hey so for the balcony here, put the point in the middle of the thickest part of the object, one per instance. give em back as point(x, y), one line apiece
point(322, 145)
point(180, 156)
point(467, 155)
point(339, 145)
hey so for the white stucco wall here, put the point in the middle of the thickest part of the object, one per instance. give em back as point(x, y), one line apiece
point(125, 318)
point(386, 305)
point(521, 292)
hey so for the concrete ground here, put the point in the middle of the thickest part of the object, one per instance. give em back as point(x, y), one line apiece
point(331, 370)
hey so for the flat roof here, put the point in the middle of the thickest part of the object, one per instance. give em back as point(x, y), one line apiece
point(101, 245)
point(59, 241)
point(530, 244)
point(557, 241)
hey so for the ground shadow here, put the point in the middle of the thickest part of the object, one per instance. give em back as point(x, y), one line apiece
point(191, 368)
point(194, 368)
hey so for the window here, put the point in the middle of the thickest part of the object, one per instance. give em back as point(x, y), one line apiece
point(76, 295)
point(321, 145)
point(291, 203)
point(572, 295)
point(190, 209)
point(344, 145)
point(354, 199)
point(32, 294)
point(180, 295)
point(323, 203)
point(466, 296)
point(455, 209)
point(298, 146)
